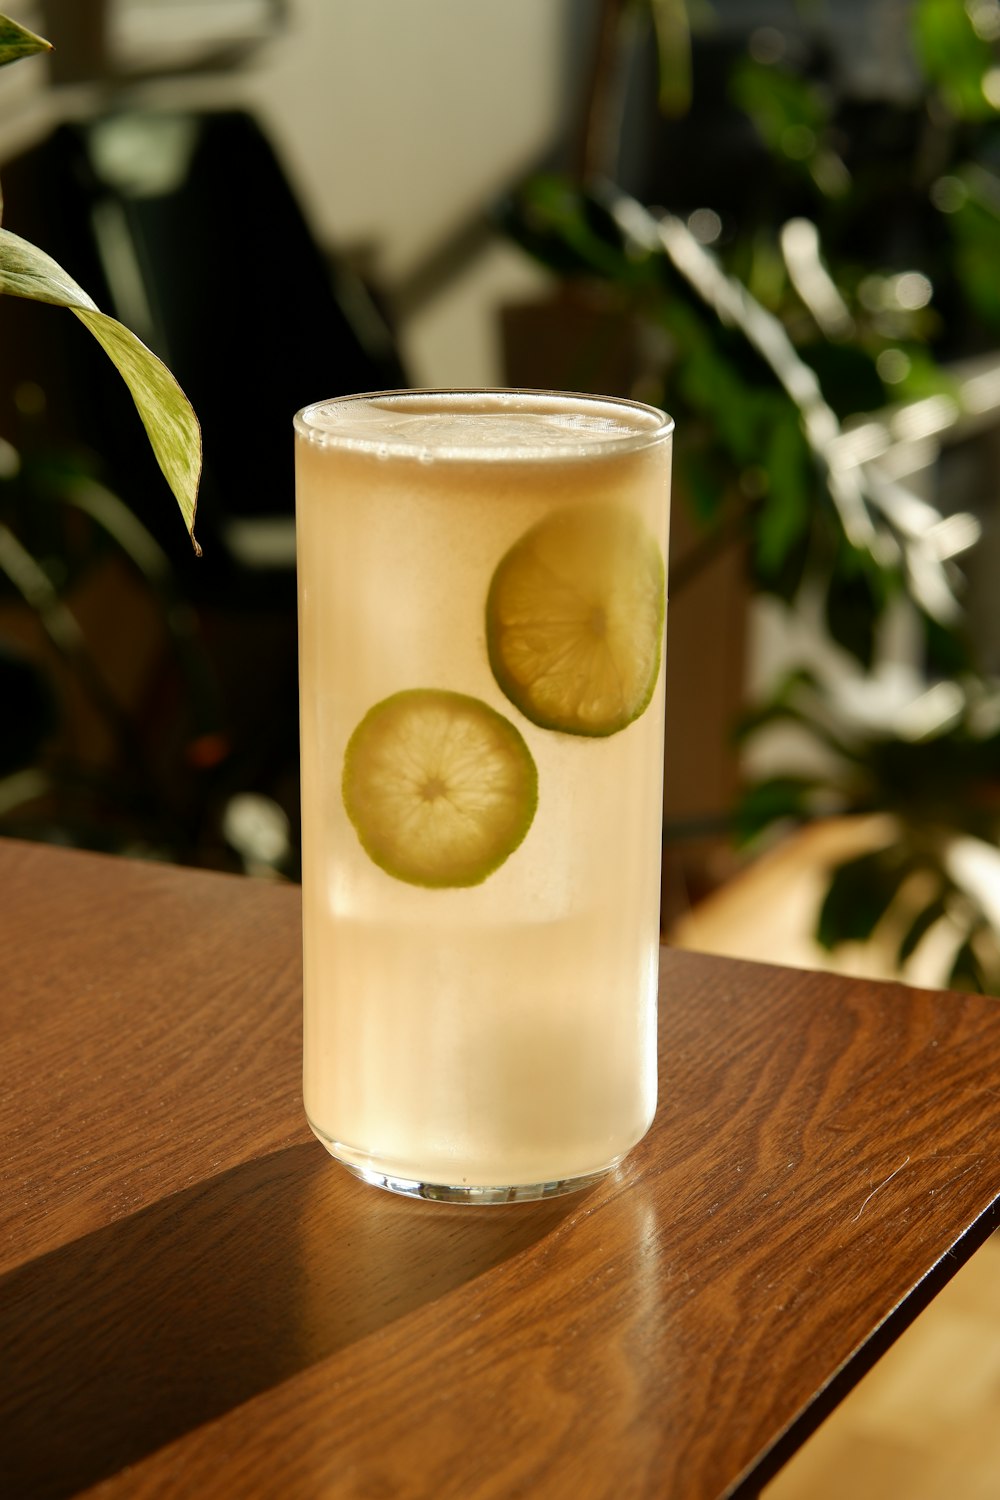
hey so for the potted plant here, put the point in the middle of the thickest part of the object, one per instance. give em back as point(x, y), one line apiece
point(823, 267)
point(166, 414)
point(45, 496)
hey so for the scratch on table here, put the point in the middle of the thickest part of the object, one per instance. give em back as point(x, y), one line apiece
point(964, 1173)
point(878, 1189)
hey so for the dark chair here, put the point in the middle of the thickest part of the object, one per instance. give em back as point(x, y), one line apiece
point(184, 226)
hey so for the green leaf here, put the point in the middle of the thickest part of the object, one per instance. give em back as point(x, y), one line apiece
point(806, 715)
point(975, 229)
point(847, 376)
point(712, 383)
point(772, 801)
point(967, 971)
point(784, 518)
point(26, 271)
point(166, 413)
point(170, 422)
point(16, 41)
point(569, 231)
point(950, 652)
point(857, 596)
point(704, 481)
point(925, 377)
point(673, 47)
point(953, 56)
point(788, 111)
point(859, 895)
point(919, 927)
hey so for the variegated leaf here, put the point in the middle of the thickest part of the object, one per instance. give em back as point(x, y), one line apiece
point(16, 41)
point(166, 413)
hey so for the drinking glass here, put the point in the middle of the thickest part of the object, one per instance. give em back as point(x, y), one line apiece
point(481, 625)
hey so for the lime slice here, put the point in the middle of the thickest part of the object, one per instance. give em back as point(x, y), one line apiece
point(574, 620)
point(440, 788)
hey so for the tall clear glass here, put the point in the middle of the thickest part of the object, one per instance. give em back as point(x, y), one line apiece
point(481, 623)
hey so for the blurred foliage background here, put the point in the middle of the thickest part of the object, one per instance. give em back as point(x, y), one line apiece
point(813, 280)
point(803, 272)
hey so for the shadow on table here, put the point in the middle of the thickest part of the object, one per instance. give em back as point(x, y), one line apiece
point(132, 1336)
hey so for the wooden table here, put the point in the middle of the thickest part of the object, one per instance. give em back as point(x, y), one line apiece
point(195, 1301)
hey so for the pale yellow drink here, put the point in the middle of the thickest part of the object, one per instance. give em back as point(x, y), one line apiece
point(481, 965)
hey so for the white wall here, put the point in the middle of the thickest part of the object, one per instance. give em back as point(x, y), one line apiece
point(398, 115)
point(399, 119)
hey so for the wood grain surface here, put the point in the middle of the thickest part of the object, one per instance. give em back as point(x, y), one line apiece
point(194, 1300)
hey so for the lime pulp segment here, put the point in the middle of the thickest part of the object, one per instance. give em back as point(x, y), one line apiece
point(440, 788)
point(574, 620)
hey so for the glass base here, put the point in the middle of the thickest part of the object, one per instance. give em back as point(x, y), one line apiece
point(366, 1169)
point(438, 1192)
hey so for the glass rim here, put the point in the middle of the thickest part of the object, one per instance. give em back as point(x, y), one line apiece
point(657, 427)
